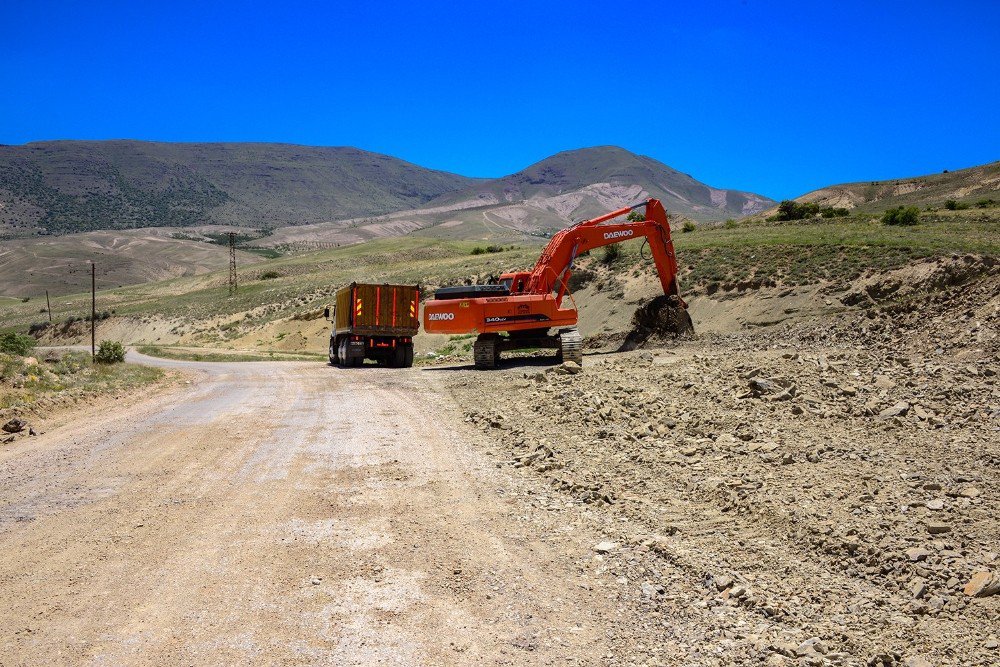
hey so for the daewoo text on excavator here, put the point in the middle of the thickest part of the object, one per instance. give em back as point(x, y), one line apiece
point(519, 311)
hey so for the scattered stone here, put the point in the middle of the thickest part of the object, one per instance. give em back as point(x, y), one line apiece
point(918, 588)
point(936, 504)
point(982, 585)
point(898, 410)
point(938, 528)
point(606, 546)
point(722, 582)
point(917, 554)
point(15, 425)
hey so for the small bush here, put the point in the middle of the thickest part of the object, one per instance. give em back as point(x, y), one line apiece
point(688, 226)
point(986, 203)
point(38, 327)
point(110, 352)
point(903, 215)
point(15, 343)
point(829, 212)
point(730, 223)
point(479, 250)
point(611, 254)
point(792, 210)
point(953, 205)
point(269, 275)
point(635, 216)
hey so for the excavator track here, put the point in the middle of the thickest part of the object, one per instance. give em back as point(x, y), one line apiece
point(571, 345)
point(485, 351)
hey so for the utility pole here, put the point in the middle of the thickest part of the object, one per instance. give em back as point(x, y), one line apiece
point(48, 306)
point(232, 263)
point(93, 311)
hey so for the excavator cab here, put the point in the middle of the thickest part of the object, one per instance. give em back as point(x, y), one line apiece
point(516, 282)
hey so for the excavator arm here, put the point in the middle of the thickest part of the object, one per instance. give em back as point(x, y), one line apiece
point(554, 267)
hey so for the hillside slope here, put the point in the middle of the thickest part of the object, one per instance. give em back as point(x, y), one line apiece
point(74, 186)
point(582, 183)
point(963, 185)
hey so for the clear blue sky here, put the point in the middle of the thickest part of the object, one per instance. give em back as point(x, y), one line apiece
point(772, 97)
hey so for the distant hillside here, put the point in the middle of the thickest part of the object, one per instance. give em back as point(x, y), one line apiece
point(74, 186)
point(964, 185)
point(580, 183)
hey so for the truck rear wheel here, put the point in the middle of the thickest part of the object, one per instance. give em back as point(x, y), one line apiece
point(408, 356)
point(333, 352)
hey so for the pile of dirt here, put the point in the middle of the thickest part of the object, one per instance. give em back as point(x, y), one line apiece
point(819, 493)
point(662, 317)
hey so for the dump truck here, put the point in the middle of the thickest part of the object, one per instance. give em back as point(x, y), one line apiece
point(375, 322)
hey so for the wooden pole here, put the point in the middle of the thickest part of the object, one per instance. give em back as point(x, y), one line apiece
point(93, 311)
point(48, 306)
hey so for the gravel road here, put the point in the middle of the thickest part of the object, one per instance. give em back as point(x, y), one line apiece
point(286, 513)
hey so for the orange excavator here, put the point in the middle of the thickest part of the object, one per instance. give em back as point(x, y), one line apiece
point(520, 310)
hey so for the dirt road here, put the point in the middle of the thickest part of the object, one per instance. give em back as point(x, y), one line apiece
point(287, 513)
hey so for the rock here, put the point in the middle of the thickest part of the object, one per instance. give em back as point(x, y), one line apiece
point(315, 581)
point(568, 368)
point(722, 582)
point(917, 661)
point(936, 504)
point(606, 546)
point(918, 588)
point(992, 644)
point(787, 458)
point(938, 528)
point(883, 382)
point(813, 646)
point(983, 584)
point(969, 492)
point(648, 589)
point(898, 410)
point(917, 554)
point(15, 425)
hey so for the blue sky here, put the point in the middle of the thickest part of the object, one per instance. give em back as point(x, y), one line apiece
point(773, 97)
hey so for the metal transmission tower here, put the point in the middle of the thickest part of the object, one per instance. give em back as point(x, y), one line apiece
point(232, 263)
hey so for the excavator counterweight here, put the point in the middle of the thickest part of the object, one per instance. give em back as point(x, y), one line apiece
point(524, 307)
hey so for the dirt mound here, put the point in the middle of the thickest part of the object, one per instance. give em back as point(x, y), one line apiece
point(663, 317)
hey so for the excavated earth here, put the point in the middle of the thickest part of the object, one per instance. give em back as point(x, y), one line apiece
point(824, 493)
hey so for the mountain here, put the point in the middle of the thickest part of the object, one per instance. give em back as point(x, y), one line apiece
point(73, 186)
point(963, 185)
point(578, 184)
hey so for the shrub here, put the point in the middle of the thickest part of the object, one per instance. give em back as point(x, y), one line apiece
point(730, 223)
point(611, 253)
point(688, 226)
point(986, 203)
point(792, 210)
point(829, 212)
point(15, 343)
point(635, 216)
point(479, 250)
point(110, 352)
point(903, 215)
point(38, 327)
point(270, 275)
point(953, 205)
